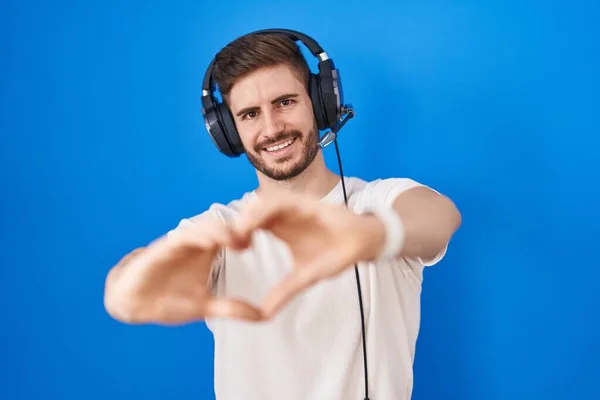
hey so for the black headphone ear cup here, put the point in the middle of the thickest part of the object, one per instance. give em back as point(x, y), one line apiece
point(230, 130)
point(317, 102)
point(331, 93)
point(216, 132)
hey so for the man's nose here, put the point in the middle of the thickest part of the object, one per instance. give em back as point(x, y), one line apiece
point(273, 124)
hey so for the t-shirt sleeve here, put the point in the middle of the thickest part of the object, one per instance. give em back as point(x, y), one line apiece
point(384, 192)
point(219, 259)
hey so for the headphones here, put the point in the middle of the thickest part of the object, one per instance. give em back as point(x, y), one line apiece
point(325, 90)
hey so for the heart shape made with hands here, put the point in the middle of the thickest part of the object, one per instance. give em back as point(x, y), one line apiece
point(324, 240)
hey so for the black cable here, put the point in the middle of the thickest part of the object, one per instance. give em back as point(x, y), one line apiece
point(362, 311)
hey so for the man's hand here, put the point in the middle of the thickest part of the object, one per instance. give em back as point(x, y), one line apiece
point(168, 281)
point(324, 240)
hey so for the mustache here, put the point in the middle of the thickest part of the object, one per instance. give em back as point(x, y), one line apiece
point(277, 138)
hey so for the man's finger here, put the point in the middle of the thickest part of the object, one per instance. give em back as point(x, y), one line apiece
point(232, 309)
point(225, 234)
point(261, 214)
point(258, 215)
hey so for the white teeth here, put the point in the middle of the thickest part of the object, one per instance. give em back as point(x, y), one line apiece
point(280, 146)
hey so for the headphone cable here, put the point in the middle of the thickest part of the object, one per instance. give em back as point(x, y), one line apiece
point(362, 312)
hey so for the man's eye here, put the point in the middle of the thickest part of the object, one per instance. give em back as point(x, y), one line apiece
point(286, 102)
point(251, 115)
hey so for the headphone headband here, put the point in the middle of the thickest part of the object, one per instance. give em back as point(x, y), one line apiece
point(309, 42)
point(325, 92)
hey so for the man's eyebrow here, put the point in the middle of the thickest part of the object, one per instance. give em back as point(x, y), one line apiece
point(274, 101)
point(283, 97)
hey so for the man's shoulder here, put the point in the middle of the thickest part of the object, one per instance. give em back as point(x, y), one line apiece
point(225, 211)
point(233, 207)
point(383, 184)
point(380, 190)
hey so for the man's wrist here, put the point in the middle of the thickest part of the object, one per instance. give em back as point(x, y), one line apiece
point(373, 235)
point(383, 233)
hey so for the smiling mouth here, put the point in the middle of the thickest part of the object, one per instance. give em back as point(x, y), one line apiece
point(279, 146)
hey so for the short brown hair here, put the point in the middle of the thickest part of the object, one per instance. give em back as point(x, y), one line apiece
point(250, 53)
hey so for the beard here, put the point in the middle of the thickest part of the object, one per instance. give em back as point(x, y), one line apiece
point(283, 169)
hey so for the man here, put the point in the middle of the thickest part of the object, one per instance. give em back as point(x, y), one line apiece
point(272, 272)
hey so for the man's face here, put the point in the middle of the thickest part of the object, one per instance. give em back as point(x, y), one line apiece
point(274, 117)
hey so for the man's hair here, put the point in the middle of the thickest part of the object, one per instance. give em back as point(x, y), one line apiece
point(250, 53)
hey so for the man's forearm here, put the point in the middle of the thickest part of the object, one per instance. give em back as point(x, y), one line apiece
point(429, 220)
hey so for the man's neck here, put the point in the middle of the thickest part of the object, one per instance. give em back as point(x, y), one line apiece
point(316, 180)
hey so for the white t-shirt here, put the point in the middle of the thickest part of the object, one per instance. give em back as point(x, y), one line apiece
point(312, 350)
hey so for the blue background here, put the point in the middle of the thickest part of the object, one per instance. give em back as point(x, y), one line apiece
point(103, 148)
